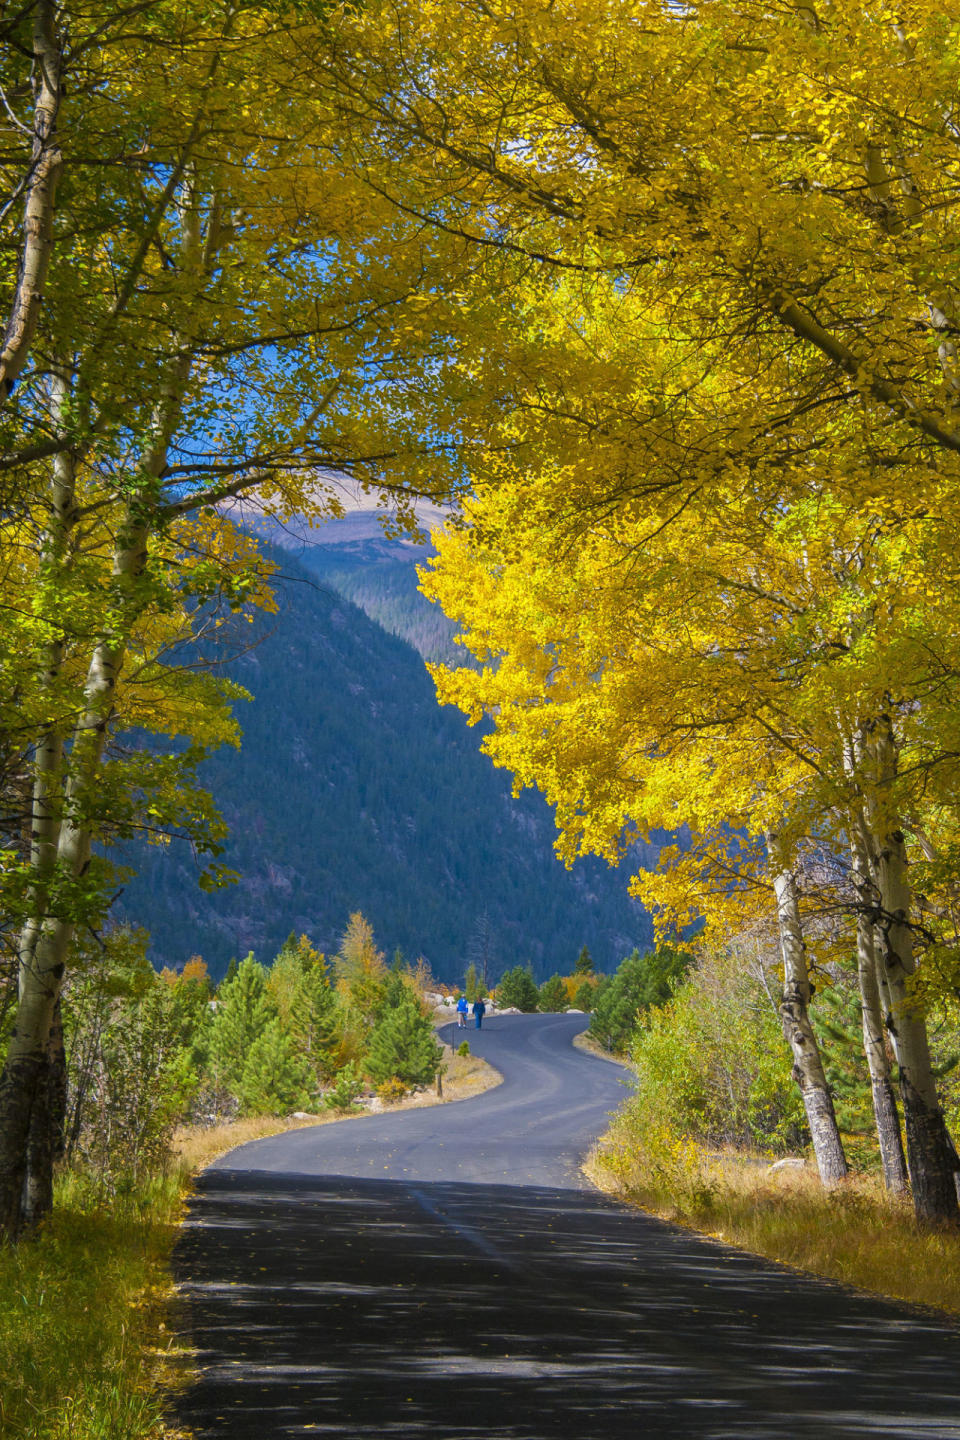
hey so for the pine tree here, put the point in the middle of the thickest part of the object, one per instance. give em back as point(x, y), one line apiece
point(347, 1086)
point(298, 986)
point(190, 994)
point(395, 990)
point(639, 982)
point(242, 1013)
point(481, 948)
point(584, 965)
point(276, 1079)
point(585, 996)
point(470, 984)
point(518, 989)
point(402, 1046)
point(361, 972)
point(552, 995)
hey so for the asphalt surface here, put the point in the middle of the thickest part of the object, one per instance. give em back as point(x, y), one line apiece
point(448, 1273)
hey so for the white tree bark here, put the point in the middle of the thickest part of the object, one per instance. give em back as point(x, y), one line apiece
point(885, 1113)
point(795, 1017)
point(930, 1159)
point(48, 931)
point(45, 165)
point(46, 799)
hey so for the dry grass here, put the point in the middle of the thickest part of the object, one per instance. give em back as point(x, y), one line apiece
point(197, 1146)
point(465, 1076)
point(854, 1233)
point(585, 1041)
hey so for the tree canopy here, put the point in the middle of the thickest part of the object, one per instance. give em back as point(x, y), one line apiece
point(669, 289)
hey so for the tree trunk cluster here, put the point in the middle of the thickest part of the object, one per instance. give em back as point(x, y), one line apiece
point(894, 1025)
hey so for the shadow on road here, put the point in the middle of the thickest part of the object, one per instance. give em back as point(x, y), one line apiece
point(359, 1307)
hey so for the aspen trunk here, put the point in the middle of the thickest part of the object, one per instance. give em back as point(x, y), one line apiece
point(880, 866)
point(27, 1084)
point(46, 935)
point(47, 796)
point(885, 1113)
point(930, 1159)
point(18, 1086)
point(45, 1140)
point(29, 1087)
point(795, 1017)
point(41, 188)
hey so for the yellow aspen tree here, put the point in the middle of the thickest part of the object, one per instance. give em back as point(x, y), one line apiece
point(785, 170)
point(220, 295)
point(708, 674)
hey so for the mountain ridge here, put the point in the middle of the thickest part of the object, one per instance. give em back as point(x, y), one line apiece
point(354, 790)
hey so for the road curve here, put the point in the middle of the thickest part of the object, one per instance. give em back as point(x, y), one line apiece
point(446, 1273)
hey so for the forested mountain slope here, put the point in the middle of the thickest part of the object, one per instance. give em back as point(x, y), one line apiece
point(354, 556)
point(380, 577)
point(354, 790)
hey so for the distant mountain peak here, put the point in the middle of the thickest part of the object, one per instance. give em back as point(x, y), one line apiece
point(364, 520)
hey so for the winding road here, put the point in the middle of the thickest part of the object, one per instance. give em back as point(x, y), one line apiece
point(448, 1273)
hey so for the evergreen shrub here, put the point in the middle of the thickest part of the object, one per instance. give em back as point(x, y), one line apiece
point(403, 1046)
point(553, 995)
point(584, 963)
point(276, 1078)
point(585, 996)
point(345, 1089)
point(518, 989)
point(640, 981)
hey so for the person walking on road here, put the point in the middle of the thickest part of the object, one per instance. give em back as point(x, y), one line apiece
point(479, 1010)
point(462, 1013)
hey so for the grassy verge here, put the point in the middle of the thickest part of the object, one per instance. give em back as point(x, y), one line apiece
point(585, 1041)
point(463, 1076)
point(854, 1233)
point(84, 1349)
point(82, 1337)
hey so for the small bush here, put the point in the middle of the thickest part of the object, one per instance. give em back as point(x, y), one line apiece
point(712, 1065)
point(129, 1079)
point(392, 1090)
point(553, 995)
point(464, 1047)
point(342, 1095)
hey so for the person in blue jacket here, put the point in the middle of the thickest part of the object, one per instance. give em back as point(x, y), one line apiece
point(462, 1012)
point(479, 1010)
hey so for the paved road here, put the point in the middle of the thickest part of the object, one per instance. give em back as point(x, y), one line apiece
point(446, 1273)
